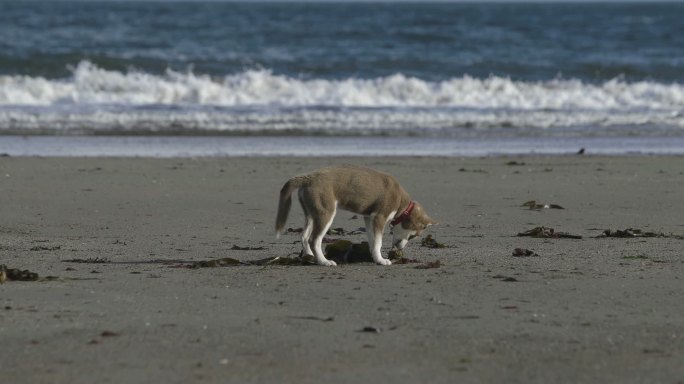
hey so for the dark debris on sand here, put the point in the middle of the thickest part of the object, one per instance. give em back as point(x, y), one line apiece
point(239, 248)
point(16, 274)
point(633, 232)
point(547, 233)
point(533, 205)
point(523, 252)
point(430, 242)
point(90, 260)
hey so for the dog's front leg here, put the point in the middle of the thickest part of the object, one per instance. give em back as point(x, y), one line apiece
point(369, 231)
point(378, 223)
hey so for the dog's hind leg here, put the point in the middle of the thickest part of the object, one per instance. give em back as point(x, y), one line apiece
point(306, 236)
point(321, 223)
point(308, 227)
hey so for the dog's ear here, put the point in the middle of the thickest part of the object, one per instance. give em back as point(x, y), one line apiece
point(424, 219)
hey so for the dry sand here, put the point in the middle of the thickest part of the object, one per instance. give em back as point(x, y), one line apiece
point(583, 311)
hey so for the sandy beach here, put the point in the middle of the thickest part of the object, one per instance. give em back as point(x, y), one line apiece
point(595, 309)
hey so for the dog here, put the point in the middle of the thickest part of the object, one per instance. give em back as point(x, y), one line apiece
point(375, 195)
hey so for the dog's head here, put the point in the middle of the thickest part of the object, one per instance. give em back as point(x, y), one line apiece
point(411, 227)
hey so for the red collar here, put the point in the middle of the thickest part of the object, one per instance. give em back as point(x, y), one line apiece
point(404, 215)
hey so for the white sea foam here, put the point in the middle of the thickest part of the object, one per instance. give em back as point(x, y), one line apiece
point(258, 100)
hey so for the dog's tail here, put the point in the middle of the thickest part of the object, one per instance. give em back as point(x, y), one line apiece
point(285, 201)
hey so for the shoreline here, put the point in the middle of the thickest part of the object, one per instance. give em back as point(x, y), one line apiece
point(584, 310)
point(334, 146)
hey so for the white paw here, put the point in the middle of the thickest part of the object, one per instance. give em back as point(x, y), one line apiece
point(384, 261)
point(327, 263)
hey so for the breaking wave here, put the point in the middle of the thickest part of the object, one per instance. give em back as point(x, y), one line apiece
point(94, 100)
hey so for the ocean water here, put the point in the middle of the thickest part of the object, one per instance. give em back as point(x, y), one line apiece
point(412, 78)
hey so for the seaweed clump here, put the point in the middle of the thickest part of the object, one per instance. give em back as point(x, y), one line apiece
point(430, 242)
point(9, 274)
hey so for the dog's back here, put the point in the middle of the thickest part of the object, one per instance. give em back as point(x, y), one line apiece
point(358, 189)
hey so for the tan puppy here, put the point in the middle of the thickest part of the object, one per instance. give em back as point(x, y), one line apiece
point(375, 195)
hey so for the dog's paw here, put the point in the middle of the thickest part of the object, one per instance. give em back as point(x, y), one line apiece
point(327, 263)
point(384, 261)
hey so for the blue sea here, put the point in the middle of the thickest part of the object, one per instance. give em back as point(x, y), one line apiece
point(248, 79)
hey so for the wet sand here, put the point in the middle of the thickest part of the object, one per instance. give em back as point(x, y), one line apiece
point(583, 310)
